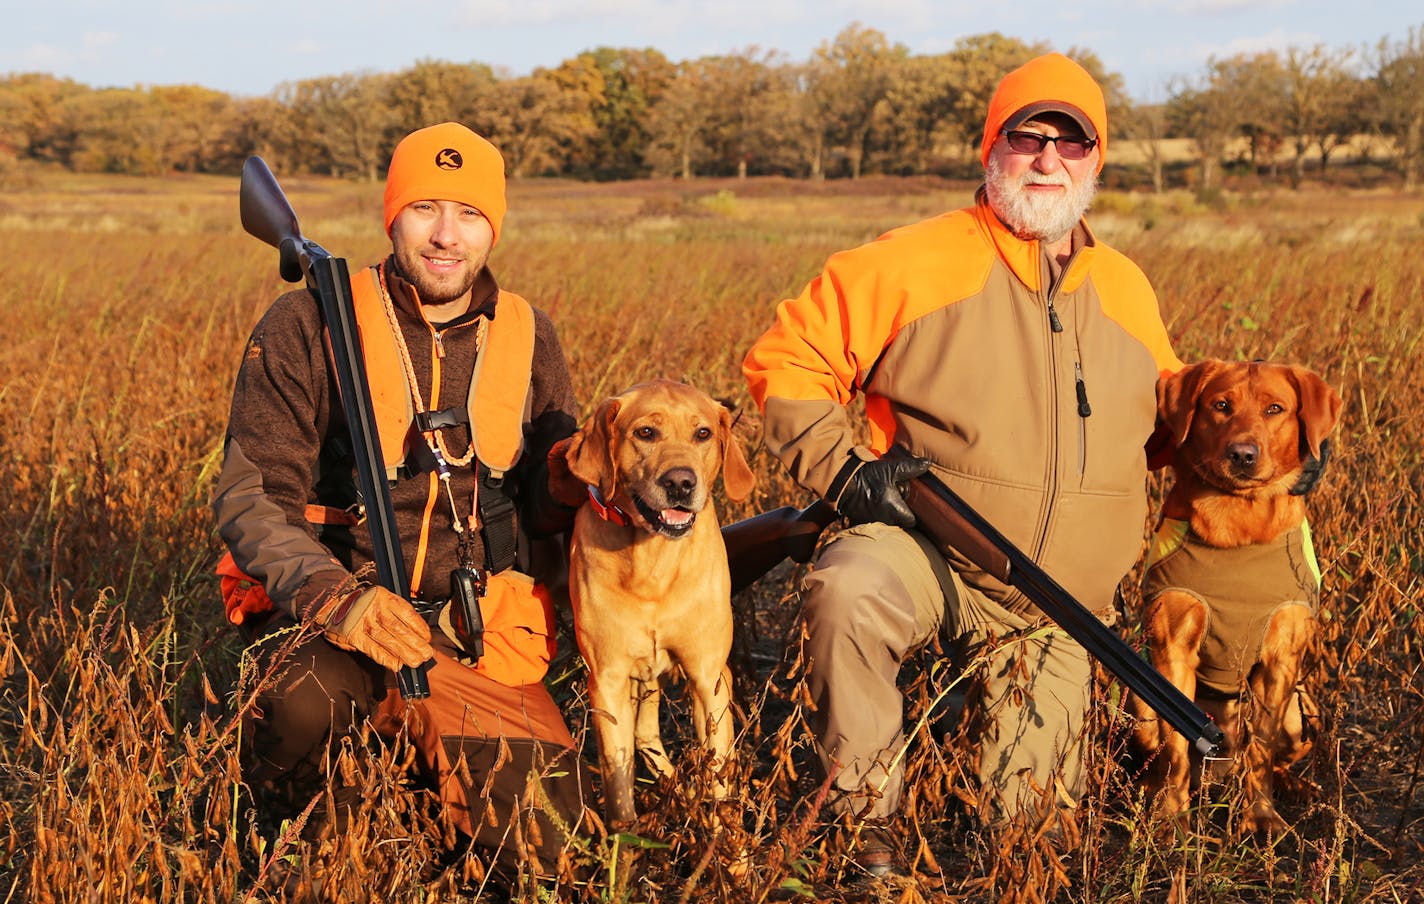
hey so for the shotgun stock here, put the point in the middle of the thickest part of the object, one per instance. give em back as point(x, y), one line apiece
point(267, 215)
point(758, 544)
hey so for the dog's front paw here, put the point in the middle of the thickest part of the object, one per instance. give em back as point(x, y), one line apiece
point(1261, 819)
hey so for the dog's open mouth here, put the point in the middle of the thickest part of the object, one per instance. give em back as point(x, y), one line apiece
point(674, 522)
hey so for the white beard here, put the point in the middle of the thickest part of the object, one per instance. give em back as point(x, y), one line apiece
point(1031, 216)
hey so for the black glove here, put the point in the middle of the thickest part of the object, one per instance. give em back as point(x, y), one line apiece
point(866, 489)
point(1310, 468)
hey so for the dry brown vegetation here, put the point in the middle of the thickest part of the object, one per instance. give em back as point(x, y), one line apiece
point(126, 305)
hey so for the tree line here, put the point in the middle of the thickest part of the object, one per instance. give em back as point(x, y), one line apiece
point(861, 104)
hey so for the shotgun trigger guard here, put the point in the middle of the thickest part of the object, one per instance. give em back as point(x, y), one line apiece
point(290, 259)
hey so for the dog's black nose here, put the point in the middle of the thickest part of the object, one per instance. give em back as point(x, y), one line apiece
point(678, 484)
point(1243, 455)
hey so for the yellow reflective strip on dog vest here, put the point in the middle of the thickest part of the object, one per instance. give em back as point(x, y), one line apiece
point(496, 405)
point(1310, 560)
point(1168, 539)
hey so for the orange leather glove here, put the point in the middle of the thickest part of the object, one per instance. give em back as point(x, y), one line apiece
point(379, 624)
point(566, 489)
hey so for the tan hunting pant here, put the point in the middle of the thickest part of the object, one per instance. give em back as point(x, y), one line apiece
point(871, 598)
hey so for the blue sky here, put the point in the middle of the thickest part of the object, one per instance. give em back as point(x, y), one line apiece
point(248, 48)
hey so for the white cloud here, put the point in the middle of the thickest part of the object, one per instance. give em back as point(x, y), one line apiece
point(43, 56)
point(50, 58)
point(94, 40)
point(1252, 44)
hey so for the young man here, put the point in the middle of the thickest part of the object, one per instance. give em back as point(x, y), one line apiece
point(1014, 354)
point(470, 390)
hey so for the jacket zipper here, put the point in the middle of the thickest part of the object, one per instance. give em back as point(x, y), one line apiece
point(1055, 326)
point(1040, 540)
point(1084, 411)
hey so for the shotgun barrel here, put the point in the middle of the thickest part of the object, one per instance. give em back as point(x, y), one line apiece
point(951, 522)
point(756, 545)
point(267, 215)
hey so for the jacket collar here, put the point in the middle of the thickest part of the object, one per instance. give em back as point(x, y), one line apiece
point(1025, 258)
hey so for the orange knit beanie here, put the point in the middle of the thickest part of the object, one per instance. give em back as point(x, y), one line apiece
point(1051, 82)
point(447, 162)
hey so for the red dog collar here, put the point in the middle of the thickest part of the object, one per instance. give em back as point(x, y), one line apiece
point(607, 511)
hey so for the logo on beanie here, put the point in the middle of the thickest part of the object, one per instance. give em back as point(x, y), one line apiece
point(449, 159)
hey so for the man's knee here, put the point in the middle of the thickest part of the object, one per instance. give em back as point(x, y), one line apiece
point(318, 692)
point(873, 582)
point(834, 599)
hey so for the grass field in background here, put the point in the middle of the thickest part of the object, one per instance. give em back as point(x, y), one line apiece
point(126, 305)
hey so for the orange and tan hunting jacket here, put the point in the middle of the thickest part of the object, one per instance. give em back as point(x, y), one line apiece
point(1032, 396)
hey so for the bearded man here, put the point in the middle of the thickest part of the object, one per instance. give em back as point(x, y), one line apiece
point(1008, 350)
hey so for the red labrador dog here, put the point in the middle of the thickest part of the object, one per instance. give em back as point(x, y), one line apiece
point(1232, 586)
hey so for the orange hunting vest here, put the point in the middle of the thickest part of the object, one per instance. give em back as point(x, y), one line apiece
point(518, 613)
point(496, 406)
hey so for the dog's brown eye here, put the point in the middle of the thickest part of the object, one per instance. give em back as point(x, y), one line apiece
point(646, 432)
point(1274, 408)
point(703, 434)
point(1222, 405)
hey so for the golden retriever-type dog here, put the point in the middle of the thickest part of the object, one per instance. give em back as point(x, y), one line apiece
point(1231, 584)
point(648, 572)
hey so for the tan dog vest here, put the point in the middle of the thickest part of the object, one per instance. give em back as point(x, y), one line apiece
point(1241, 587)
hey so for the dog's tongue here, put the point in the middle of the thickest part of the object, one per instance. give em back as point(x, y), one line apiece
point(675, 517)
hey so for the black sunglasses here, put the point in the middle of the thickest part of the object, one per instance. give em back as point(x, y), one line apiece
point(1069, 147)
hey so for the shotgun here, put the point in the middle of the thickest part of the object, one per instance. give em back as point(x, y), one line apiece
point(758, 544)
point(267, 215)
point(952, 524)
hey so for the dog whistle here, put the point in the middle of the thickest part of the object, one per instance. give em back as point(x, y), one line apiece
point(467, 586)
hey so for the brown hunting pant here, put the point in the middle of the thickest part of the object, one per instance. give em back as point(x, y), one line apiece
point(520, 758)
point(871, 598)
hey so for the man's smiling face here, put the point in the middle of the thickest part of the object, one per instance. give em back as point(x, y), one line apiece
point(441, 247)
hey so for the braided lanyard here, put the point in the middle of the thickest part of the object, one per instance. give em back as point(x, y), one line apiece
point(434, 438)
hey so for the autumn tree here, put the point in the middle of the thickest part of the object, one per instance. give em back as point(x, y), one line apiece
point(680, 121)
point(977, 64)
point(1322, 103)
point(852, 78)
point(342, 123)
point(264, 127)
point(537, 120)
point(1207, 109)
point(914, 120)
point(1257, 86)
point(116, 130)
point(32, 119)
point(745, 102)
point(434, 91)
point(1147, 124)
point(1399, 87)
point(631, 83)
point(195, 127)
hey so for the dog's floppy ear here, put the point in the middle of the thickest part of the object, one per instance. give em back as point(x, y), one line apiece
point(1177, 397)
point(1319, 409)
point(737, 477)
point(591, 453)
